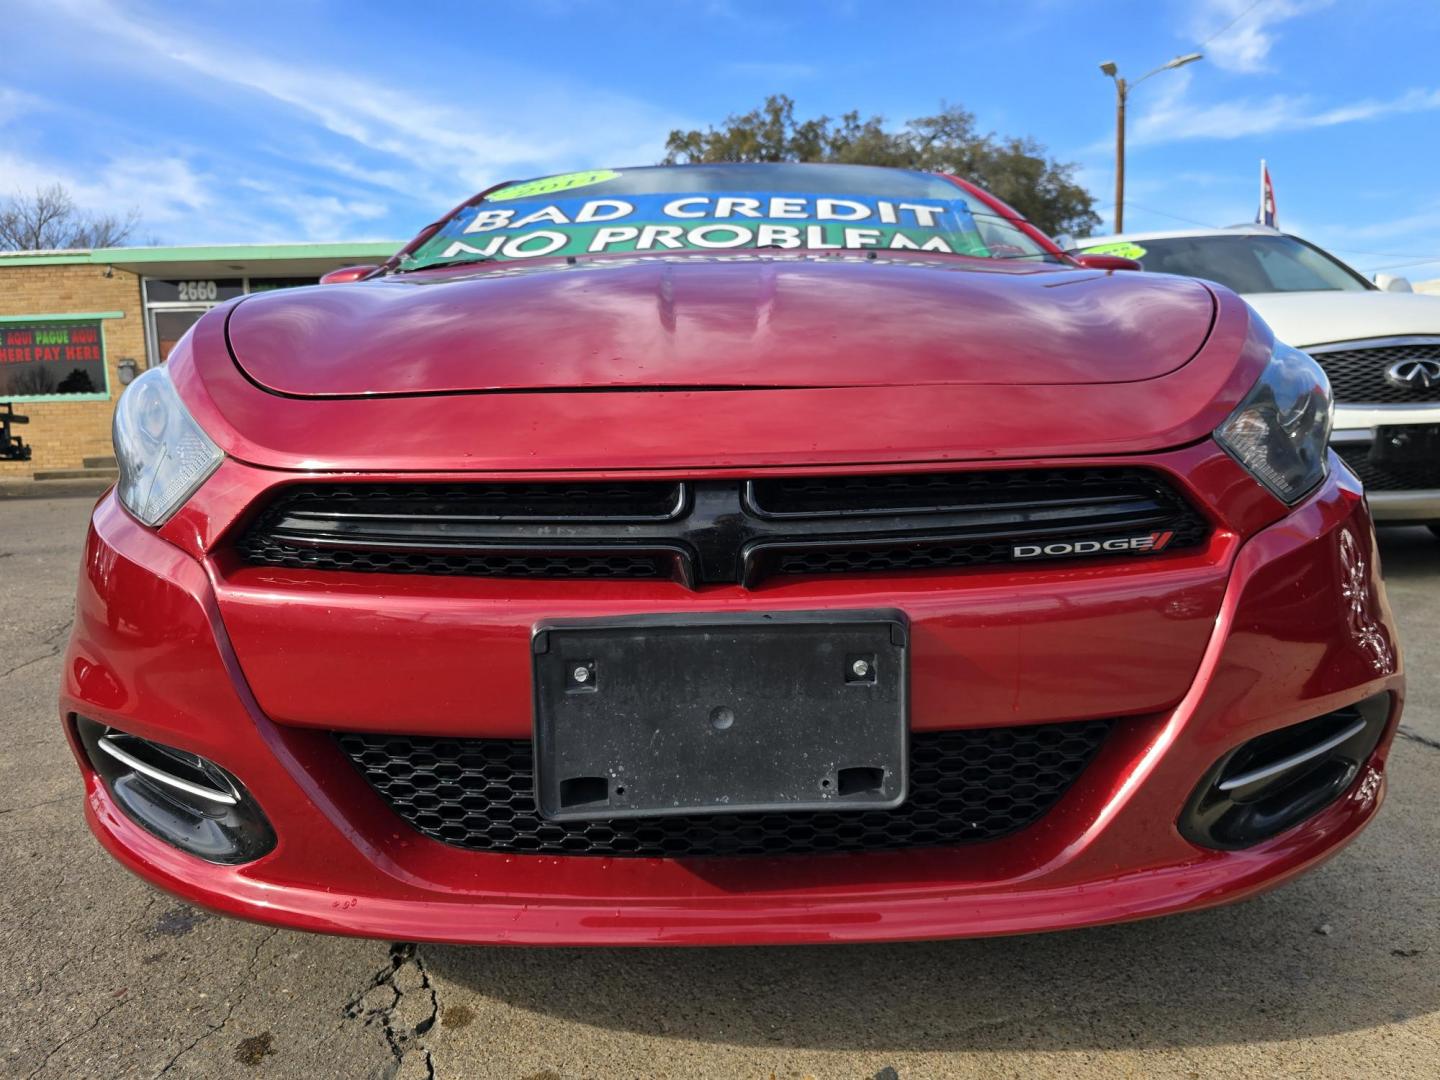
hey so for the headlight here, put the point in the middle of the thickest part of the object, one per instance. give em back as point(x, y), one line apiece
point(1281, 431)
point(163, 454)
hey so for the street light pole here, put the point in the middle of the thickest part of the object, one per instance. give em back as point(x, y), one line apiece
point(1121, 89)
point(1122, 92)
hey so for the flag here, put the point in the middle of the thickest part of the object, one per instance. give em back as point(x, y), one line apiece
point(1266, 214)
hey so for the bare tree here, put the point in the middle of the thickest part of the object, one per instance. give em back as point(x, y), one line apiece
point(48, 220)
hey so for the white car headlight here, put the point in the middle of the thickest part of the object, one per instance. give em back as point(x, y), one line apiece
point(163, 455)
point(1281, 431)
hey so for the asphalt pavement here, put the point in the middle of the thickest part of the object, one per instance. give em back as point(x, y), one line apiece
point(1336, 974)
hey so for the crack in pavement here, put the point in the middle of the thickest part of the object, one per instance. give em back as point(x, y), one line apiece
point(1414, 736)
point(429, 1022)
point(230, 1006)
point(45, 1061)
point(52, 640)
point(401, 1041)
point(35, 806)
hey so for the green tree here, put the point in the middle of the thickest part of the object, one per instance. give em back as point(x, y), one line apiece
point(1017, 170)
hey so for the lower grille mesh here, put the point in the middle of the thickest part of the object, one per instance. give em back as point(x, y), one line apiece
point(1377, 477)
point(553, 564)
point(882, 558)
point(965, 786)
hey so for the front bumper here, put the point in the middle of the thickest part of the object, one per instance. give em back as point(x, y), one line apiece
point(1392, 498)
point(1420, 505)
point(1300, 632)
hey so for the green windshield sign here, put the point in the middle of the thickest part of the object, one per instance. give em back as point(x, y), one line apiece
point(549, 185)
point(1122, 248)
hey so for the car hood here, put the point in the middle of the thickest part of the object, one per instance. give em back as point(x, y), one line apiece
point(1303, 319)
point(720, 323)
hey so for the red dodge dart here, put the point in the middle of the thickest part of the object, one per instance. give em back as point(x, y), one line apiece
point(728, 554)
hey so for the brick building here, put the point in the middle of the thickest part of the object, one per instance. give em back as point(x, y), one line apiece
point(77, 326)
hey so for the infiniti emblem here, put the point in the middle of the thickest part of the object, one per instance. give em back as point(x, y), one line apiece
point(1414, 374)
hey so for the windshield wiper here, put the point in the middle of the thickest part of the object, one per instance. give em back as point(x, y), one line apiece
point(402, 269)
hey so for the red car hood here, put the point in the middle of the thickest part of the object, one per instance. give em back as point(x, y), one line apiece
point(701, 321)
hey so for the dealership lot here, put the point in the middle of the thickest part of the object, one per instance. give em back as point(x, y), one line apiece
point(1337, 974)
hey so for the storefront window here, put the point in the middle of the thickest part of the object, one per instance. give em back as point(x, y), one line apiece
point(51, 358)
point(168, 327)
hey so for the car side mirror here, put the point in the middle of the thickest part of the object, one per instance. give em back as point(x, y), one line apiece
point(1393, 283)
point(347, 274)
point(1106, 262)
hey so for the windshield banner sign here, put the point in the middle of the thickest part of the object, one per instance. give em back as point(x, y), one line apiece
point(535, 229)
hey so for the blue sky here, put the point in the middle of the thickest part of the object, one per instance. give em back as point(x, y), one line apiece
point(343, 119)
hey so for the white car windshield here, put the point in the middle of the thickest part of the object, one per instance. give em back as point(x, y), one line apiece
point(1248, 263)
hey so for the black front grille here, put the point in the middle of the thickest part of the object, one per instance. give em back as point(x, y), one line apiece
point(1358, 375)
point(1060, 491)
point(965, 786)
point(1388, 477)
point(430, 528)
point(711, 531)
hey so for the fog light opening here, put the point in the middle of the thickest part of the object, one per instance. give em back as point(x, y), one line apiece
point(180, 797)
point(1279, 779)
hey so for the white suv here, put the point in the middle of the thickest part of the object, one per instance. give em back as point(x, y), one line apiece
point(1381, 348)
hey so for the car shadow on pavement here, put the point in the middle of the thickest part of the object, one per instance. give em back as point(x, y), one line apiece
point(1348, 947)
point(1344, 949)
point(1408, 552)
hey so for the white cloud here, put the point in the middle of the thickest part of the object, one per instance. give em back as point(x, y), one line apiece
point(323, 152)
point(319, 216)
point(1401, 245)
point(1408, 227)
point(15, 103)
point(546, 126)
point(363, 111)
point(1174, 117)
point(166, 188)
point(182, 204)
point(1241, 33)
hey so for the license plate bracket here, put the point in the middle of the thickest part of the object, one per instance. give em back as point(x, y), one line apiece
point(1406, 444)
point(652, 716)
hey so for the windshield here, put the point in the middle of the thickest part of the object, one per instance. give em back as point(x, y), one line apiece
point(1245, 263)
point(722, 208)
